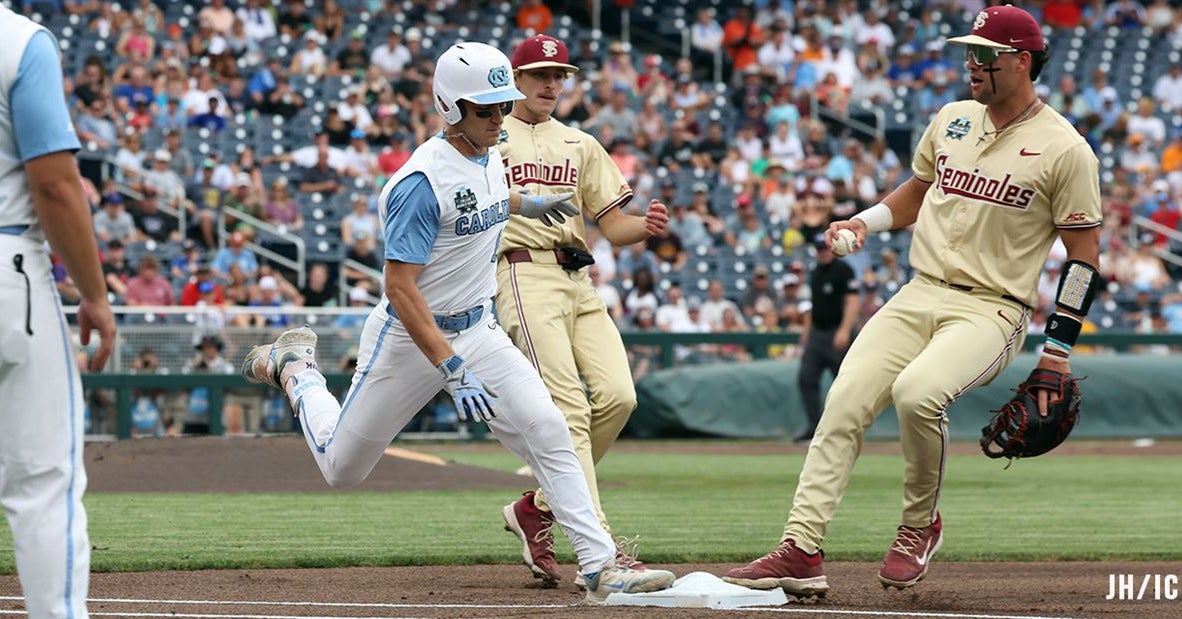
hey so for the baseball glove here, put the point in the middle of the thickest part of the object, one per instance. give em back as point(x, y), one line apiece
point(1019, 431)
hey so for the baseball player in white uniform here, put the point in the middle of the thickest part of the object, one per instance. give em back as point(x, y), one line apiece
point(443, 214)
point(41, 198)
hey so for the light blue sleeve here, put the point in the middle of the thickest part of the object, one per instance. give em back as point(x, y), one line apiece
point(412, 220)
point(37, 104)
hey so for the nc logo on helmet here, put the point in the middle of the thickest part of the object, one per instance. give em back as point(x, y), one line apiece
point(499, 76)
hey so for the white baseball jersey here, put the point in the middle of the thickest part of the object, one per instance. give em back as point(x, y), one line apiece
point(473, 209)
point(16, 207)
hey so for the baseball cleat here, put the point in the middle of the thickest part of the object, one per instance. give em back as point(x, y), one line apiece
point(907, 562)
point(796, 572)
point(626, 550)
point(535, 529)
point(292, 351)
point(617, 579)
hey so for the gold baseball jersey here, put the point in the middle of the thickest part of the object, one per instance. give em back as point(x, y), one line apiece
point(997, 200)
point(549, 158)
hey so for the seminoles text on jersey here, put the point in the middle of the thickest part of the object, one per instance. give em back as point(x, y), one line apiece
point(563, 174)
point(973, 184)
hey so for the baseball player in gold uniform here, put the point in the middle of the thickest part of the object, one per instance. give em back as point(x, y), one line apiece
point(545, 300)
point(996, 179)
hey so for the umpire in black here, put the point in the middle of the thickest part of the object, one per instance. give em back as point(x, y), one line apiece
point(828, 327)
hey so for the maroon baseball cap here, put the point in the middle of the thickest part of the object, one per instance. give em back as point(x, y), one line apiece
point(1005, 27)
point(542, 51)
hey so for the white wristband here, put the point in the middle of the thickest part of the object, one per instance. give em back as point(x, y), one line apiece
point(877, 218)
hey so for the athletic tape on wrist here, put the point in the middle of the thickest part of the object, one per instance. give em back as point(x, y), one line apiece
point(877, 218)
point(1077, 287)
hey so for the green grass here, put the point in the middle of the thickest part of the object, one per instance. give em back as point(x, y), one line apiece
point(686, 508)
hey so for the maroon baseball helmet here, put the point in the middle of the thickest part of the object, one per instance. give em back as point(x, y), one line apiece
point(1005, 27)
point(542, 51)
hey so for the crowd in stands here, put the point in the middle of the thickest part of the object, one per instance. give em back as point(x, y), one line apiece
point(750, 175)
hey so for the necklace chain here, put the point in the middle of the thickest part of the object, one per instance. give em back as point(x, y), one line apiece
point(1023, 115)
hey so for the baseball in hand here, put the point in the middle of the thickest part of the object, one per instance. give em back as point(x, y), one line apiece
point(845, 242)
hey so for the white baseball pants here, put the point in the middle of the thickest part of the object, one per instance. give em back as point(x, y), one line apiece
point(41, 467)
point(394, 381)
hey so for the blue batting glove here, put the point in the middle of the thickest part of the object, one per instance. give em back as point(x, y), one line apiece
point(473, 400)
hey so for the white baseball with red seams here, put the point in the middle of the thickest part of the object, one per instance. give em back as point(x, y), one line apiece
point(845, 242)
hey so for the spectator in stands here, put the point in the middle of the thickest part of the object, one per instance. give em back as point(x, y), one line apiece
point(151, 223)
point(872, 31)
point(307, 156)
point(678, 151)
point(667, 247)
point(268, 294)
point(319, 290)
point(741, 38)
point(185, 265)
point(208, 360)
point(534, 17)
point(360, 162)
point(733, 169)
point(219, 16)
point(294, 19)
point(1167, 90)
point(281, 208)
point(714, 144)
point(353, 60)
point(136, 43)
point(1127, 14)
point(210, 120)
point(204, 201)
point(113, 221)
point(283, 100)
point(636, 257)
point(840, 60)
point(716, 303)
point(392, 56)
point(363, 251)
point(618, 72)
point(1062, 14)
point(1163, 210)
point(264, 81)
point(779, 195)
point(149, 286)
point(1147, 124)
point(1140, 268)
point(936, 94)
point(776, 55)
point(310, 60)
point(1136, 157)
point(200, 99)
point(393, 156)
point(331, 20)
point(758, 293)
point(138, 87)
point(97, 123)
point(235, 253)
point(321, 178)
point(171, 117)
point(1171, 155)
point(129, 161)
point(116, 271)
point(672, 314)
point(259, 22)
point(247, 198)
point(164, 180)
point(785, 147)
point(1171, 312)
point(358, 300)
point(360, 220)
point(617, 115)
point(201, 286)
point(731, 321)
point(92, 82)
point(354, 111)
point(643, 295)
point(744, 230)
point(1067, 99)
point(705, 40)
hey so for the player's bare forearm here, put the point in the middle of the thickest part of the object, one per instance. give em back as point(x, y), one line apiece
point(622, 229)
point(905, 201)
point(56, 189)
point(408, 302)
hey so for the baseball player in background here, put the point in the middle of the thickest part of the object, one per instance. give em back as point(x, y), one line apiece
point(443, 214)
point(545, 299)
point(996, 178)
point(41, 469)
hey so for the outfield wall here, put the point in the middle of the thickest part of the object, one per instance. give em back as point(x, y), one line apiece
point(1124, 396)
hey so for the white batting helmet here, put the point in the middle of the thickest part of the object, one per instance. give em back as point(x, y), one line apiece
point(473, 72)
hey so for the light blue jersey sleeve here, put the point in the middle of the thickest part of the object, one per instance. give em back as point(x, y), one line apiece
point(40, 119)
point(412, 220)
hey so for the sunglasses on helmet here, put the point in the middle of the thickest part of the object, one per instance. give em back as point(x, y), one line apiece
point(486, 111)
point(982, 54)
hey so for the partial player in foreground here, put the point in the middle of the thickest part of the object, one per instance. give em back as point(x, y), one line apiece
point(997, 178)
point(545, 298)
point(443, 214)
point(41, 198)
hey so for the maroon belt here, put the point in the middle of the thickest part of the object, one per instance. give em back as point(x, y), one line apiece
point(514, 256)
point(963, 288)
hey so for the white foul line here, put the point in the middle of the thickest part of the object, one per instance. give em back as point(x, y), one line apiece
point(778, 609)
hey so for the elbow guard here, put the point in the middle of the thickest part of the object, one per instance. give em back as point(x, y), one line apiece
point(1077, 287)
